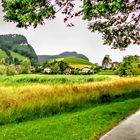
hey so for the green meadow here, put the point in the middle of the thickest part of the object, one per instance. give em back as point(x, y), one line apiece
point(64, 107)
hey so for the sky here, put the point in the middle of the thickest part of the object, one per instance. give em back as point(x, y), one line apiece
point(54, 38)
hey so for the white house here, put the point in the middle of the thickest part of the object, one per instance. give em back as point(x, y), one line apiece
point(48, 70)
point(87, 70)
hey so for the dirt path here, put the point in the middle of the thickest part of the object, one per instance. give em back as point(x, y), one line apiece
point(126, 130)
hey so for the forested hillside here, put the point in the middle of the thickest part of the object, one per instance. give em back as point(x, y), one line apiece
point(14, 44)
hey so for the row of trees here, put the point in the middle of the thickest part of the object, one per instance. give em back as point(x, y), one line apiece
point(57, 67)
point(12, 69)
point(129, 66)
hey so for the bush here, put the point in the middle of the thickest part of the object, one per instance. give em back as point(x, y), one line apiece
point(11, 70)
point(129, 67)
point(25, 66)
point(76, 71)
point(2, 69)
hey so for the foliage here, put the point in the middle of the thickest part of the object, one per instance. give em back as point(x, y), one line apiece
point(63, 65)
point(115, 65)
point(2, 54)
point(16, 46)
point(17, 56)
point(96, 68)
point(117, 20)
point(11, 70)
point(7, 57)
point(57, 66)
point(25, 66)
point(7, 69)
point(2, 69)
point(106, 61)
point(129, 66)
point(76, 71)
point(16, 61)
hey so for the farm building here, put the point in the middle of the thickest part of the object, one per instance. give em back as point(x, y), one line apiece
point(67, 70)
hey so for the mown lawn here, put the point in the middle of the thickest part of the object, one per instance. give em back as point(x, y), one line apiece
point(83, 124)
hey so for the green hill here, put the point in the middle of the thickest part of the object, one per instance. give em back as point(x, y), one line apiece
point(3, 54)
point(43, 58)
point(14, 55)
point(18, 56)
point(17, 46)
point(76, 62)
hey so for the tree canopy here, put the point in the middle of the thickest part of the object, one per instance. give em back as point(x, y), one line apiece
point(106, 61)
point(129, 66)
point(117, 20)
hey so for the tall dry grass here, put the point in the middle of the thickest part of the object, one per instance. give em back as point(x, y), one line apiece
point(22, 103)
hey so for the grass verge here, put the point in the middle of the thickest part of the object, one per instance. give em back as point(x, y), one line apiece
point(87, 123)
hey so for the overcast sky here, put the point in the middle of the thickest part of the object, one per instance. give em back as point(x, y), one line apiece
point(54, 38)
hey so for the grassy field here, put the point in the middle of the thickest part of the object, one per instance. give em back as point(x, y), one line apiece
point(50, 79)
point(14, 55)
point(64, 107)
point(76, 61)
point(107, 72)
point(87, 123)
point(2, 54)
point(17, 55)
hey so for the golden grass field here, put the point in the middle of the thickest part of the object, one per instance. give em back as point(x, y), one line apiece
point(12, 96)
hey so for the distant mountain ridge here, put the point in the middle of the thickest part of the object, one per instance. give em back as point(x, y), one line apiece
point(43, 58)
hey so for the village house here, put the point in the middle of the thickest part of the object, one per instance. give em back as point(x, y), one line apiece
point(47, 70)
point(67, 70)
point(87, 70)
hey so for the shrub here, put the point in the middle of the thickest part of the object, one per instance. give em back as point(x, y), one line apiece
point(2, 69)
point(25, 66)
point(11, 70)
point(129, 67)
point(76, 71)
